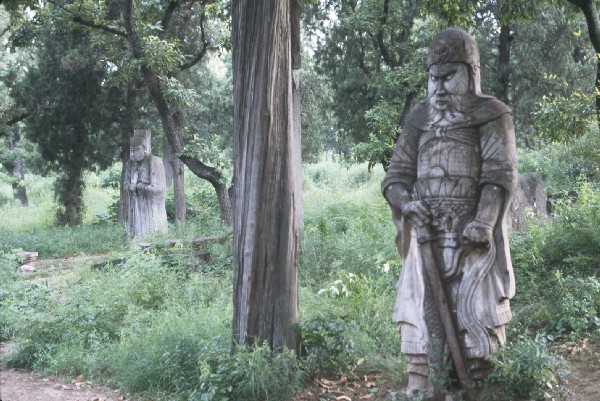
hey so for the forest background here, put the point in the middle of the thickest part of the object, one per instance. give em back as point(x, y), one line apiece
point(74, 86)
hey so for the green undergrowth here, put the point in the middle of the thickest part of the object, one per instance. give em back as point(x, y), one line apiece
point(156, 323)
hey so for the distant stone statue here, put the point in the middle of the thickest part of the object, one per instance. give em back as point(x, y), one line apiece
point(449, 185)
point(146, 188)
point(530, 199)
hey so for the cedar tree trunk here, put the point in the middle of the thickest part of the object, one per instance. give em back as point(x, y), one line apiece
point(128, 128)
point(268, 204)
point(175, 168)
point(15, 167)
point(504, 44)
point(70, 185)
point(588, 7)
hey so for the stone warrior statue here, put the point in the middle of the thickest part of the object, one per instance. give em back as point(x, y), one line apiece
point(449, 186)
point(146, 188)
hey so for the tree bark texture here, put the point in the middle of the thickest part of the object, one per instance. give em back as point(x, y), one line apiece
point(70, 185)
point(504, 45)
point(175, 168)
point(128, 128)
point(15, 167)
point(267, 223)
point(172, 122)
point(167, 156)
point(588, 7)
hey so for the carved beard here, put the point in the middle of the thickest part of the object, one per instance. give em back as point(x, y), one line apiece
point(452, 114)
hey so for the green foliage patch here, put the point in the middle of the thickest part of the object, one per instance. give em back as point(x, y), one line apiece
point(160, 325)
point(525, 369)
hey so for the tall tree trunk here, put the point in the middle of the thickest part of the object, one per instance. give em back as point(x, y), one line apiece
point(504, 47)
point(167, 156)
point(176, 172)
point(172, 124)
point(15, 167)
point(70, 186)
point(588, 7)
point(267, 229)
point(128, 127)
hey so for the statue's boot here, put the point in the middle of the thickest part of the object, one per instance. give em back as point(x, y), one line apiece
point(479, 369)
point(418, 381)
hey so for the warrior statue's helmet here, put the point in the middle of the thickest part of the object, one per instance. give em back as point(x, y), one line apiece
point(454, 45)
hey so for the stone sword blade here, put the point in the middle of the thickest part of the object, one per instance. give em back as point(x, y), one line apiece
point(431, 268)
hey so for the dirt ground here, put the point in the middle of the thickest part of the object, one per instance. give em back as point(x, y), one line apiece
point(21, 385)
point(583, 382)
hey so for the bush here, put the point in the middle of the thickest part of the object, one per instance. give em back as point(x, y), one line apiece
point(525, 369)
point(346, 235)
point(82, 310)
point(575, 309)
point(560, 164)
point(572, 242)
point(253, 374)
point(10, 259)
point(325, 345)
point(57, 242)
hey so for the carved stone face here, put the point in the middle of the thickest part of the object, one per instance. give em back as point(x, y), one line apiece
point(137, 153)
point(446, 81)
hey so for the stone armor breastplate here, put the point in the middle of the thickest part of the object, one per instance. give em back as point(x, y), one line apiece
point(448, 169)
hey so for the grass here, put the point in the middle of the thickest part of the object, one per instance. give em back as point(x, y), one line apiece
point(160, 324)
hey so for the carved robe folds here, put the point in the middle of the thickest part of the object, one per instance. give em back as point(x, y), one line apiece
point(147, 191)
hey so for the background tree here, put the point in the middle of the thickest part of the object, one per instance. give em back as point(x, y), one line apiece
point(11, 115)
point(267, 163)
point(590, 11)
point(12, 160)
point(151, 43)
point(374, 55)
point(74, 115)
point(541, 79)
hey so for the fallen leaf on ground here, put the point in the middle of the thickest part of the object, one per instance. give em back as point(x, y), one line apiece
point(330, 383)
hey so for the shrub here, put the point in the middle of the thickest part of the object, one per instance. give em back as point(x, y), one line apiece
point(253, 374)
point(575, 308)
point(525, 369)
point(85, 308)
point(572, 243)
point(325, 345)
point(560, 164)
point(59, 242)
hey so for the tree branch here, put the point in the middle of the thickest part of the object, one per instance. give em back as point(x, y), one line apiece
point(5, 30)
point(588, 7)
point(132, 36)
point(196, 58)
point(91, 24)
point(203, 50)
point(168, 15)
point(18, 118)
point(385, 53)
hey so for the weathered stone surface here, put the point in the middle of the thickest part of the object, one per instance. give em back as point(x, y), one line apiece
point(530, 198)
point(449, 185)
point(146, 189)
point(29, 257)
point(26, 269)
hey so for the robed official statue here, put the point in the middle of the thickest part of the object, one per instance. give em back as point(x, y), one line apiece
point(146, 188)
